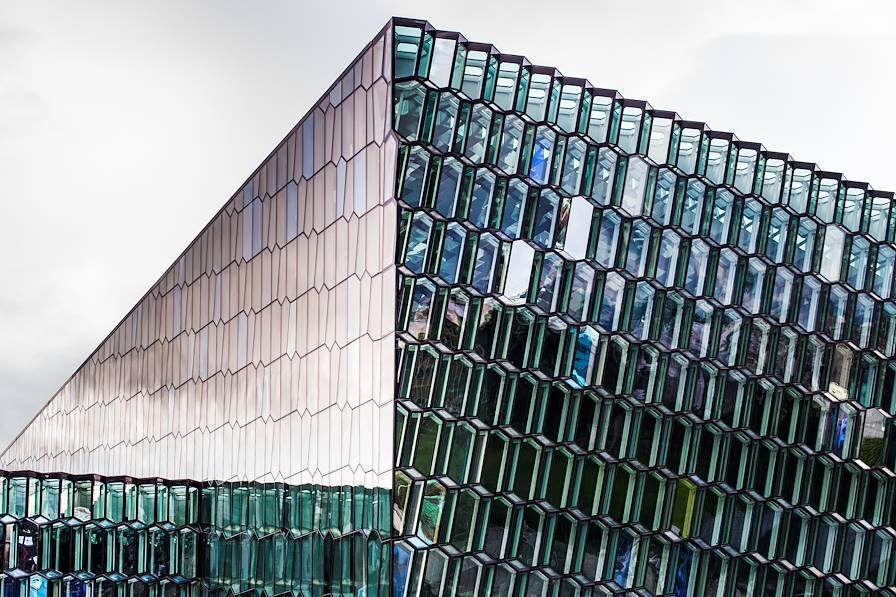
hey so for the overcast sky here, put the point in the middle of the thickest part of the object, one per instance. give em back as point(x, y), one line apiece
point(124, 126)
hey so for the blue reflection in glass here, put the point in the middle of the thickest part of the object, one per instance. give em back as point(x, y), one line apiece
point(418, 243)
point(682, 573)
point(545, 217)
point(401, 563)
point(480, 202)
point(623, 560)
point(513, 208)
point(453, 247)
point(448, 185)
point(584, 357)
point(840, 422)
point(541, 157)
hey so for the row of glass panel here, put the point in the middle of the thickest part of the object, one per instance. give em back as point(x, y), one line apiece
point(231, 507)
point(724, 402)
point(98, 548)
point(312, 565)
point(51, 585)
point(304, 540)
point(451, 254)
point(501, 462)
point(652, 565)
point(165, 551)
point(579, 227)
point(477, 134)
point(514, 208)
point(577, 353)
point(537, 94)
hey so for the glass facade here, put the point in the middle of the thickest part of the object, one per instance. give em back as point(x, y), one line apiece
point(479, 328)
point(635, 356)
point(85, 536)
point(233, 434)
point(274, 329)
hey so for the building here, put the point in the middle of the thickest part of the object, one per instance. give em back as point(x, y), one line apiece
point(478, 328)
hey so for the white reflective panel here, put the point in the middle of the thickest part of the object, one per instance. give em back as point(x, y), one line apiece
point(442, 61)
point(872, 434)
point(635, 183)
point(832, 253)
point(519, 272)
point(842, 361)
point(660, 133)
point(578, 228)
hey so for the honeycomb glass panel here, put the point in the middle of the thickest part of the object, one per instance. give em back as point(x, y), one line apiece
point(663, 355)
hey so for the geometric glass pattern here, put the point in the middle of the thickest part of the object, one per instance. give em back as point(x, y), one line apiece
point(255, 377)
point(478, 328)
point(636, 356)
point(272, 331)
point(87, 535)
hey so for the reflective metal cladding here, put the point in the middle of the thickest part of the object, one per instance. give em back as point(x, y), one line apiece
point(479, 328)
